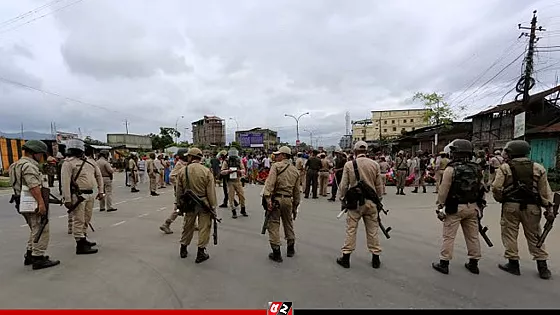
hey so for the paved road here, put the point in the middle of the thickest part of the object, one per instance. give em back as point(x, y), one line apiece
point(139, 267)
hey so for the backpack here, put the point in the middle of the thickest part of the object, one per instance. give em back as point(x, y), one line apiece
point(467, 182)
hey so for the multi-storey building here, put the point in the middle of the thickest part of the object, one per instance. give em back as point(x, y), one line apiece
point(257, 138)
point(209, 131)
point(390, 124)
point(362, 130)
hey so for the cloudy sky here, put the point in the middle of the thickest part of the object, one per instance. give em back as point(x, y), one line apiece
point(253, 61)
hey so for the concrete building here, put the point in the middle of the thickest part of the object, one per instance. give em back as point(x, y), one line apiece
point(257, 138)
point(390, 124)
point(362, 130)
point(210, 130)
point(345, 142)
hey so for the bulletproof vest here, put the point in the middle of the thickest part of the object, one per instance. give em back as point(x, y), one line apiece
point(522, 189)
point(233, 161)
point(466, 184)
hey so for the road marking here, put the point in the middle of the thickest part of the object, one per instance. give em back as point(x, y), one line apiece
point(143, 215)
point(96, 208)
point(24, 225)
point(118, 223)
point(118, 203)
point(161, 209)
point(62, 216)
point(120, 186)
point(137, 198)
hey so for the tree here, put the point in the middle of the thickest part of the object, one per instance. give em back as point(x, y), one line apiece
point(164, 139)
point(236, 145)
point(438, 111)
point(89, 140)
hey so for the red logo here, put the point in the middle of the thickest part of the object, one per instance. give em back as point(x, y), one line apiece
point(279, 308)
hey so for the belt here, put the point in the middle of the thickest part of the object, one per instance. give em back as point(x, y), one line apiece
point(323, 170)
point(86, 191)
point(282, 196)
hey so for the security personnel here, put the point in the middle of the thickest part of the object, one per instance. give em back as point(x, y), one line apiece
point(26, 176)
point(79, 177)
point(384, 169)
point(179, 165)
point(402, 169)
point(107, 174)
point(201, 181)
point(312, 166)
point(133, 169)
point(234, 181)
point(323, 175)
point(522, 187)
point(369, 173)
point(441, 164)
point(282, 185)
point(340, 161)
point(300, 165)
point(152, 174)
point(460, 192)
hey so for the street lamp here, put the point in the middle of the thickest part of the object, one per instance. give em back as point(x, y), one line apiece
point(237, 129)
point(177, 131)
point(297, 123)
point(310, 137)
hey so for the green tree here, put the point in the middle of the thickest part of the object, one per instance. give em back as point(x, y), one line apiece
point(164, 139)
point(438, 111)
point(236, 145)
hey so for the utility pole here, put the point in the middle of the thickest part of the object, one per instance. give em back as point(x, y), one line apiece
point(528, 81)
point(126, 125)
point(22, 132)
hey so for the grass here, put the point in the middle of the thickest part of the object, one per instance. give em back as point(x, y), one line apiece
point(4, 182)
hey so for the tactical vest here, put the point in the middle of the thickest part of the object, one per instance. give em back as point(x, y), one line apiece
point(522, 189)
point(466, 183)
point(233, 161)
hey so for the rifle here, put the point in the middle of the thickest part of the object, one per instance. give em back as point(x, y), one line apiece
point(548, 224)
point(46, 195)
point(483, 229)
point(204, 206)
point(267, 213)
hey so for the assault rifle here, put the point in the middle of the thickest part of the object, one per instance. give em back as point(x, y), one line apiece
point(483, 229)
point(267, 212)
point(48, 198)
point(190, 194)
point(549, 222)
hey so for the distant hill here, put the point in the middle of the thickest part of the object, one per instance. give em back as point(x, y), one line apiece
point(27, 135)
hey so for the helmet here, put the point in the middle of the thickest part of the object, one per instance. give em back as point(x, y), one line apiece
point(461, 146)
point(284, 150)
point(194, 152)
point(76, 144)
point(35, 146)
point(517, 148)
point(104, 153)
point(401, 152)
point(233, 152)
point(182, 152)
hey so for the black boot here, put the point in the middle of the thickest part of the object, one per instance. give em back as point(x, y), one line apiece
point(201, 255)
point(402, 192)
point(344, 261)
point(375, 262)
point(90, 244)
point(276, 254)
point(415, 191)
point(472, 266)
point(111, 209)
point(442, 266)
point(291, 251)
point(544, 272)
point(512, 266)
point(235, 203)
point(243, 212)
point(398, 191)
point(27, 258)
point(183, 251)
point(82, 248)
point(234, 214)
point(424, 189)
point(153, 193)
point(42, 262)
point(134, 190)
point(223, 205)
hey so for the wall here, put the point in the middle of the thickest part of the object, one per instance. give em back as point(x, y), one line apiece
point(389, 124)
point(129, 140)
point(492, 131)
point(10, 151)
point(359, 131)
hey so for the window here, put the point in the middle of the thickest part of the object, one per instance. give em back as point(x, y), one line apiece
point(384, 130)
point(411, 120)
point(385, 122)
point(394, 128)
point(393, 122)
point(404, 121)
point(413, 128)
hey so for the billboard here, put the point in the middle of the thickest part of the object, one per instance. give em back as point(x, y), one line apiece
point(251, 139)
point(129, 141)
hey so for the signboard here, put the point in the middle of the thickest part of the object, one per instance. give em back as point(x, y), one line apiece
point(251, 140)
point(519, 125)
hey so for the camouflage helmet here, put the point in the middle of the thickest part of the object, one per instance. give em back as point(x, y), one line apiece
point(461, 146)
point(35, 146)
point(75, 144)
point(517, 148)
point(181, 152)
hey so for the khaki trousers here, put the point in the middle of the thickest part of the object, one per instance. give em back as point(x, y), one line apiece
point(173, 216)
point(107, 201)
point(439, 176)
point(81, 216)
point(153, 182)
point(133, 179)
point(401, 178)
point(285, 215)
point(367, 212)
point(383, 182)
point(467, 218)
point(323, 183)
point(302, 179)
point(34, 222)
point(234, 187)
point(204, 226)
point(530, 219)
point(419, 179)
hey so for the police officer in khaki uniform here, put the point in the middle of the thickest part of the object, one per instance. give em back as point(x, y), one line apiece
point(133, 169)
point(384, 169)
point(26, 177)
point(460, 192)
point(369, 173)
point(181, 163)
point(201, 182)
point(300, 165)
point(152, 174)
point(522, 187)
point(282, 185)
point(234, 181)
point(402, 168)
point(84, 174)
point(323, 175)
point(441, 164)
point(107, 174)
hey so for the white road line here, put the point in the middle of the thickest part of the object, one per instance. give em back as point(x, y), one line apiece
point(118, 223)
point(62, 216)
point(137, 198)
point(143, 215)
point(96, 208)
point(118, 203)
point(120, 186)
point(161, 209)
point(23, 225)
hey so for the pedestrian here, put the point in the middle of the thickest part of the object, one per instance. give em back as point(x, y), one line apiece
point(282, 195)
point(522, 187)
point(107, 173)
point(312, 166)
point(200, 180)
point(368, 171)
point(461, 193)
point(402, 169)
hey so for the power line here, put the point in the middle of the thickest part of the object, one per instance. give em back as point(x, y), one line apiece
point(28, 13)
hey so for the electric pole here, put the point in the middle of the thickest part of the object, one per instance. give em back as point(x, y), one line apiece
point(527, 81)
point(126, 125)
